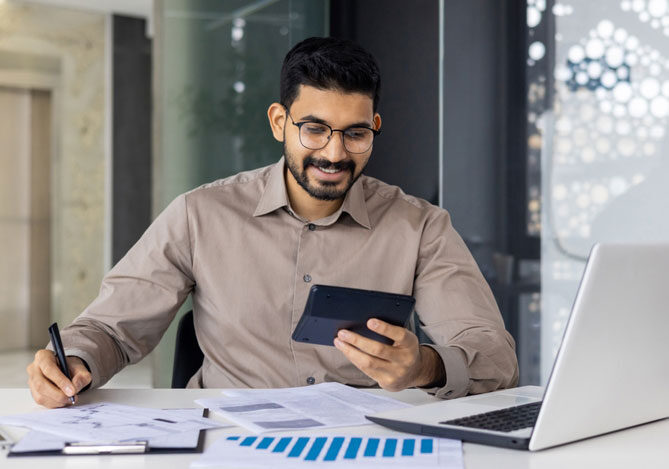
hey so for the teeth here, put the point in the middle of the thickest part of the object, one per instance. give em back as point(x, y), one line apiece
point(329, 171)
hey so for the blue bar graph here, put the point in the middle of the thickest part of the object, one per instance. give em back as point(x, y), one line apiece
point(425, 446)
point(282, 445)
point(265, 442)
point(248, 441)
point(408, 447)
point(334, 448)
point(385, 450)
point(315, 449)
point(299, 447)
point(372, 446)
point(353, 447)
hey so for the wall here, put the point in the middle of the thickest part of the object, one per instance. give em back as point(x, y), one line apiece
point(404, 38)
point(131, 133)
point(75, 42)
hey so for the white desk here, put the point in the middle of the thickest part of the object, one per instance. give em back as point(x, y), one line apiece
point(646, 446)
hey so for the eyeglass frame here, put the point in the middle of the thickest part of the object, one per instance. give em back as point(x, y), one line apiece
point(299, 125)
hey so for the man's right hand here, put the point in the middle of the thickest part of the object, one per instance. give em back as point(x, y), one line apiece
point(49, 386)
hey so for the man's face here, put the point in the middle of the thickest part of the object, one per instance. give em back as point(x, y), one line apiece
point(328, 173)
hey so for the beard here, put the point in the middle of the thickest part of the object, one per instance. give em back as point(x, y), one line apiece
point(322, 190)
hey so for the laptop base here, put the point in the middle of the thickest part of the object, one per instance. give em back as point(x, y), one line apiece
point(462, 434)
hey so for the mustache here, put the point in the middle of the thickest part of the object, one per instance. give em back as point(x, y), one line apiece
point(322, 163)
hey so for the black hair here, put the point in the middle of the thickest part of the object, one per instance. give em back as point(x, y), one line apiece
point(330, 64)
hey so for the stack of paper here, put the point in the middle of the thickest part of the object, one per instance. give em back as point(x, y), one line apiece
point(320, 406)
point(333, 451)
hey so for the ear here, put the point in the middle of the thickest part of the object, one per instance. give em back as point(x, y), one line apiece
point(377, 121)
point(276, 114)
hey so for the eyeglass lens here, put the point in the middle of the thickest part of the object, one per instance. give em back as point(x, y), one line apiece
point(315, 136)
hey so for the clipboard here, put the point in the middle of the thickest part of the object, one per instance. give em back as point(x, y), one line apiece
point(115, 448)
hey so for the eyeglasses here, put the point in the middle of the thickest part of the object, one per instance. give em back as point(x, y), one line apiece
point(316, 135)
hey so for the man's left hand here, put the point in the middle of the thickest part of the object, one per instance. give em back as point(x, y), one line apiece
point(402, 365)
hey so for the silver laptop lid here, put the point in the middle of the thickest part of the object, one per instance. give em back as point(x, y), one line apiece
point(612, 369)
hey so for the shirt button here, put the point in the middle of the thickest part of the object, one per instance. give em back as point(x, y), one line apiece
point(311, 380)
point(312, 227)
point(307, 278)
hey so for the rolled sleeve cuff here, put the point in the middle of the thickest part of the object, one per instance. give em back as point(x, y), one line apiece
point(455, 370)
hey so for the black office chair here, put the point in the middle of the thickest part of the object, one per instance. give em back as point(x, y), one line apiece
point(188, 356)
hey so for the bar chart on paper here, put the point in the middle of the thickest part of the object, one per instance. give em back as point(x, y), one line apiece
point(333, 451)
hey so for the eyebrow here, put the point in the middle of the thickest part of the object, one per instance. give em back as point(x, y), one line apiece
point(312, 118)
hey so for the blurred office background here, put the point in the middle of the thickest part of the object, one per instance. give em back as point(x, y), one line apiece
point(540, 125)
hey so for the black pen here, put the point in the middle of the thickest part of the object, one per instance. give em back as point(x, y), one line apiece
point(60, 353)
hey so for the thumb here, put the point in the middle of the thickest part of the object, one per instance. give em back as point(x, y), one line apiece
point(81, 377)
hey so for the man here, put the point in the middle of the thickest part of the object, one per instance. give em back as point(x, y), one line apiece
point(249, 247)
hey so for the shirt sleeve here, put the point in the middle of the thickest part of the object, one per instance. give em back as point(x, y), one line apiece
point(138, 298)
point(459, 314)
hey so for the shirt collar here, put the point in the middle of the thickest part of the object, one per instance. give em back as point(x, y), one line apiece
point(275, 196)
point(354, 204)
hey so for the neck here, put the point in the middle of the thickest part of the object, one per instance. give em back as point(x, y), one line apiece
point(305, 205)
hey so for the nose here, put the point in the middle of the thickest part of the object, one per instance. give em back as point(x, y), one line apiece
point(334, 150)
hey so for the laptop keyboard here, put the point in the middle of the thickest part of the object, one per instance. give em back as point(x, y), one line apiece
point(503, 420)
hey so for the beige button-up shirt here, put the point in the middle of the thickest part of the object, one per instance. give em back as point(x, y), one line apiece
point(248, 261)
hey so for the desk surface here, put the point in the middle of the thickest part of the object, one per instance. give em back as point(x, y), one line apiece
point(646, 446)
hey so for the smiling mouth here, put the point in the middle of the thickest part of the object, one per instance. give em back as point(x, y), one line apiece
point(329, 176)
point(329, 170)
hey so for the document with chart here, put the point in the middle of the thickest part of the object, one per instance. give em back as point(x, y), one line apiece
point(320, 406)
point(332, 451)
point(110, 422)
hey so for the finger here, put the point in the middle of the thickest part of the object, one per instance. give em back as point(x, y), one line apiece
point(44, 391)
point(364, 362)
point(42, 400)
point(373, 367)
point(399, 335)
point(369, 346)
point(81, 377)
point(48, 400)
point(49, 368)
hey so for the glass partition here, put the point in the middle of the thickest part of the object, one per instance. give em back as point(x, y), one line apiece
point(218, 67)
point(603, 139)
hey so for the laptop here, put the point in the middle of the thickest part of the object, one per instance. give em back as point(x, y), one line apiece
point(611, 371)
